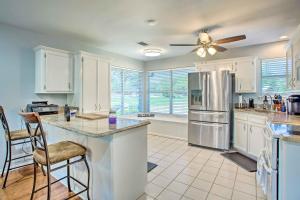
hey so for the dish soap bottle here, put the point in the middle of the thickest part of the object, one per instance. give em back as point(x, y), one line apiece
point(67, 113)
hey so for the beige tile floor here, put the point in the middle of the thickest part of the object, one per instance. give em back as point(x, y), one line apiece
point(192, 173)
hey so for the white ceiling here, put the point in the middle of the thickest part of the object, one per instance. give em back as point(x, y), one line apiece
point(117, 25)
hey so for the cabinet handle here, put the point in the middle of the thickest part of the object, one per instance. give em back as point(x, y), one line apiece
point(240, 86)
point(96, 107)
point(45, 87)
point(69, 85)
point(251, 129)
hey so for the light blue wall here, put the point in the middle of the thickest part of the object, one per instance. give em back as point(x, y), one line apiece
point(17, 69)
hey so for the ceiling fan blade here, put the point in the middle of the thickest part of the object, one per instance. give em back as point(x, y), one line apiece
point(183, 45)
point(219, 48)
point(194, 50)
point(230, 39)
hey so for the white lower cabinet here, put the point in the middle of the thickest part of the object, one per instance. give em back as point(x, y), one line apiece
point(248, 133)
point(240, 139)
point(255, 139)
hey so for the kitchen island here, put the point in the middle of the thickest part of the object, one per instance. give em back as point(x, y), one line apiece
point(117, 154)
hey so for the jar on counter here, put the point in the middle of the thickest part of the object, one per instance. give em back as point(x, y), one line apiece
point(112, 117)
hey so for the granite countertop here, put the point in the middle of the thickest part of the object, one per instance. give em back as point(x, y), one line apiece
point(283, 126)
point(285, 132)
point(93, 128)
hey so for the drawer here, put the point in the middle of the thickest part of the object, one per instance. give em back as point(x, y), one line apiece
point(213, 135)
point(209, 116)
point(241, 116)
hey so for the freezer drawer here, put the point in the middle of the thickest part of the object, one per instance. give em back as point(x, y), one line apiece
point(214, 135)
point(209, 116)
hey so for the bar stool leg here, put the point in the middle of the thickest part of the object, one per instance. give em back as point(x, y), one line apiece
point(8, 167)
point(34, 179)
point(49, 182)
point(88, 184)
point(5, 159)
point(68, 175)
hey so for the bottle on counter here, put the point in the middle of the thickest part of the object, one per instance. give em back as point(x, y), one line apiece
point(67, 113)
point(265, 103)
point(283, 107)
point(112, 118)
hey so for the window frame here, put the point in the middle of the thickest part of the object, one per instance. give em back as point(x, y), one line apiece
point(171, 90)
point(122, 89)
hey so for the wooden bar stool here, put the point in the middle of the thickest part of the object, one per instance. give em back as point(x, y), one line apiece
point(48, 155)
point(13, 138)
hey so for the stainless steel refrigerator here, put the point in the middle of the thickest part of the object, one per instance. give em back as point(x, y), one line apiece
point(210, 107)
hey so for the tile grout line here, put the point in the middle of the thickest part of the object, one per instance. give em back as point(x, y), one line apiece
point(178, 173)
point(166, 168)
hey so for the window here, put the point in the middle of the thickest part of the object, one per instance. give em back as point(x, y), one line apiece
point(126, 91)
point(274, 75)
point(168, 91)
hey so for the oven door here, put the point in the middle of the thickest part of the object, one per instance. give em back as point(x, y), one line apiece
point(272, 185)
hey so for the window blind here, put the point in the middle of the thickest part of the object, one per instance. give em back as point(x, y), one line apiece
point(116, 90)
point(180, 90)
point(274, 75)
point(168, 91)
point(159, 91)
point(126, 91)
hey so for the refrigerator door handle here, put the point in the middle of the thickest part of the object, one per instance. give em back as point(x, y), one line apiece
point(207, 113)
point(208, 91)
point(207, 124)
point(204, 89)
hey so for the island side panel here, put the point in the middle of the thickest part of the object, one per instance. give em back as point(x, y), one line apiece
point(99, 159)
point(101, 167)
point(129, 162)
point(289, 173)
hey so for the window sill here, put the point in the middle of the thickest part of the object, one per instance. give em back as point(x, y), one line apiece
point(161, 117)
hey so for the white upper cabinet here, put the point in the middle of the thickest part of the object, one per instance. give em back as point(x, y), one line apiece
point(53, 70)
point(293, 61)
point(245, 75)
point(244, 68)
point(92, 83)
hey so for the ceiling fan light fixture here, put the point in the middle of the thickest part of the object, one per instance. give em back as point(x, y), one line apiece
point(212, 51)
point(201, 52)
point(152, 52)
point(204, 37)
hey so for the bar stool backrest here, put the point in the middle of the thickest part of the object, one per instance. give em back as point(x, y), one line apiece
point(4, 122)
point(34, 125)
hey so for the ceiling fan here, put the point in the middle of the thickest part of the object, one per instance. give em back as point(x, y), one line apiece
point(205, 44)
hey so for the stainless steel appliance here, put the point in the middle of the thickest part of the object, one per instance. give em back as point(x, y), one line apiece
point(42, 107)
point(271, 163)
point(210, 103)
point(293, 105)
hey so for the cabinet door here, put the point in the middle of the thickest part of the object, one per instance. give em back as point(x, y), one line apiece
point(296, 64)
point(256, 139)
point(89, 84)
point(240, 135)
point(104, 86)
point(57, 72)
point(245, 74)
